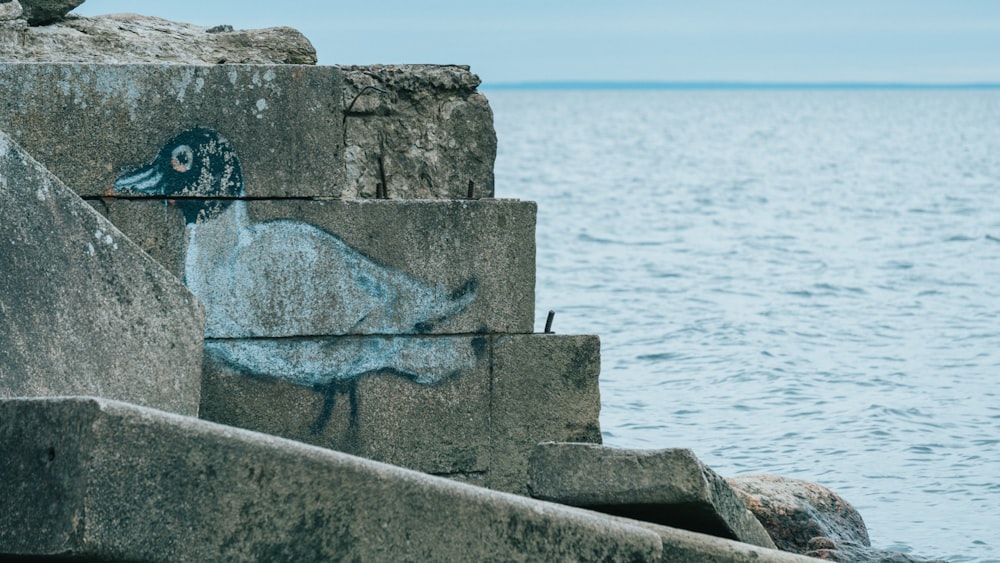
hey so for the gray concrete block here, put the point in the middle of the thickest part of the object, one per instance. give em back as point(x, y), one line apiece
point(545, 388)
point(329, 267)
point(670, 487)
point(90, 123)
point(110, 481)
point(82, 309)
point(297, 131)
point(418, 402)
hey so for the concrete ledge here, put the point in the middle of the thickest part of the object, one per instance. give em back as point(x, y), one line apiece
point(447, 267)
point(110, 481)
point(82, 309)
point(670, 487)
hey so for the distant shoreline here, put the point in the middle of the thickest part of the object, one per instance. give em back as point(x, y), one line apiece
point(588, 85)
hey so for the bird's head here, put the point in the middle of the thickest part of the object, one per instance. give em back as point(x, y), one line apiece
point(198, 169)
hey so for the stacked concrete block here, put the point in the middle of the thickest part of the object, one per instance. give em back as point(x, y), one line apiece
point(434, 418)
point(88, 123)
point(363, 291)
point(316, 267)
point(543, 385)
point(82, 309)
point(422, 131)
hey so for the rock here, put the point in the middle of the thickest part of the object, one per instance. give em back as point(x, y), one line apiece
point(10, 10)
point(795, 512)
point(133, 38)
point(809, 519)
point(42, 12)
point(423, 128)
point(669, 487)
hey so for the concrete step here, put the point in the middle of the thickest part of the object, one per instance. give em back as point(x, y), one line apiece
point(94, 478)
point(82, 309)
point(467, 407)
point(299, 131)
point(278, 268)
point(101, 480)
point(669, 486)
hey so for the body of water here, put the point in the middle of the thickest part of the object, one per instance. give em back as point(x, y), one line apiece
point(797, 282)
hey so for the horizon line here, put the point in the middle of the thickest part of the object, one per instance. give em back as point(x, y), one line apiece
point(732, 85)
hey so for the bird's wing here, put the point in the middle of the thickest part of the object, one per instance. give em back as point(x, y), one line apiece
point(303, 280)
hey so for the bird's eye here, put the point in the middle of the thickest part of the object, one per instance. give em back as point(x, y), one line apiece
point(181, 158)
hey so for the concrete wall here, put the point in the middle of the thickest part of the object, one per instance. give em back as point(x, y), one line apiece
point(467, 407)
point(300, 267)
point(396, 327)
point(301, 131)
point(82, 309)
point(397, 330)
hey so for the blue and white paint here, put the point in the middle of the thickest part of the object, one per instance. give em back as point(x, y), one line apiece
point(287, 278)
point(319, 362)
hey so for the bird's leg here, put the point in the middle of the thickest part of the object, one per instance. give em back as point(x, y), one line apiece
point(329, 392)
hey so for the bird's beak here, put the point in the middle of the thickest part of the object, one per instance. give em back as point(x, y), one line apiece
point(145, 181)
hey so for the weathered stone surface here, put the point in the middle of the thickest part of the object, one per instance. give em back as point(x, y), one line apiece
point(447, 267)
point(131, 38)
point(670, 487)
point(824, 549)
point(545, 388)
point(41, 12)
point(423, 129)
point(794, 512)
point(807, 518)
point(418, 402)
point(469, 407)
point(109, 481)
point(10, 10)
point(82, 309)
point(694, 547)
point(90, 124)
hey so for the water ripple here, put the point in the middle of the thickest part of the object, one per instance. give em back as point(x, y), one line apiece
point(800, 283)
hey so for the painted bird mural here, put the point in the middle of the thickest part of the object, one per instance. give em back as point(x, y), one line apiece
point(274, 278)
point(289, 278)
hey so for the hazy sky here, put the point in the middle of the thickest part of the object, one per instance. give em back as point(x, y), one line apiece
point(936, 41)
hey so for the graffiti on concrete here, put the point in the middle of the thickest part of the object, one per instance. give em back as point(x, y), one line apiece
point(333, 366)
point(284, 278)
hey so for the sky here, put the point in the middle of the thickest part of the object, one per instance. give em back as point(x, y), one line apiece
point(517, 41)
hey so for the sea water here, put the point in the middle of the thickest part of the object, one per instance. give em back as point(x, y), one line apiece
point(795, 282)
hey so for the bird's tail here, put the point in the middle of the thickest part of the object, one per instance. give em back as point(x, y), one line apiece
point(456, 302)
